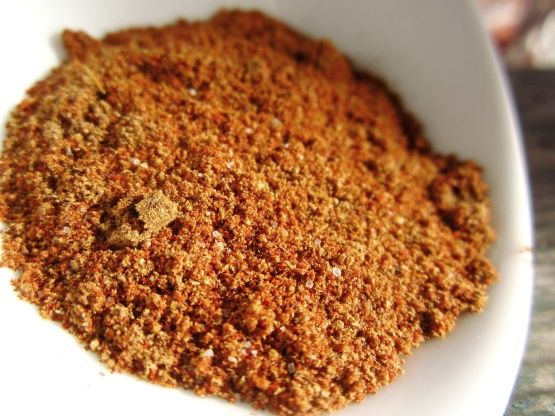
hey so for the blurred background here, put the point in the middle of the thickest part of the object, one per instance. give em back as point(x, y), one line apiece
point(524, 31)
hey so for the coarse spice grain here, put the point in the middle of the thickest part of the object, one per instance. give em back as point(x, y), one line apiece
point(227, 206)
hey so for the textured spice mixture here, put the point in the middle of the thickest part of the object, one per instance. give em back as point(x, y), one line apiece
point(227, 206)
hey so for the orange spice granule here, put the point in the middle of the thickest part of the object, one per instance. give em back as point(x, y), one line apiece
point(226, 206)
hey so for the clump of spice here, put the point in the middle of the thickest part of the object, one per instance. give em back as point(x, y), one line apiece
point(228, 207)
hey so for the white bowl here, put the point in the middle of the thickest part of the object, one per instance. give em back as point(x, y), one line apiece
point(437, 56)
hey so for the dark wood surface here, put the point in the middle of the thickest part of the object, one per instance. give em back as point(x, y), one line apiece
point(534, 392)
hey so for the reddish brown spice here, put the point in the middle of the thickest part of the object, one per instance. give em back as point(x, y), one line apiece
point(228, 207)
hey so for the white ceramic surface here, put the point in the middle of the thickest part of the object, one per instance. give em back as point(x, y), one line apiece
point(435, 53)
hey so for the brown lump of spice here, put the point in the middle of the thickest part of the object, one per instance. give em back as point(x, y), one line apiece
point(155, 211)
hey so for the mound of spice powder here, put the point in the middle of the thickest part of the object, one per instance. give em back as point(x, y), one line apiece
point(227, 206)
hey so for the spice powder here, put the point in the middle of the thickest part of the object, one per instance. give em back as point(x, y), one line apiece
point(227, 206)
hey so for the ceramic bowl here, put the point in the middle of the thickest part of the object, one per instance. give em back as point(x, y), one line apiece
point(436, 55)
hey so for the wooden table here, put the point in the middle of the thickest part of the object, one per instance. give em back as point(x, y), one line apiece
point(534, 392)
